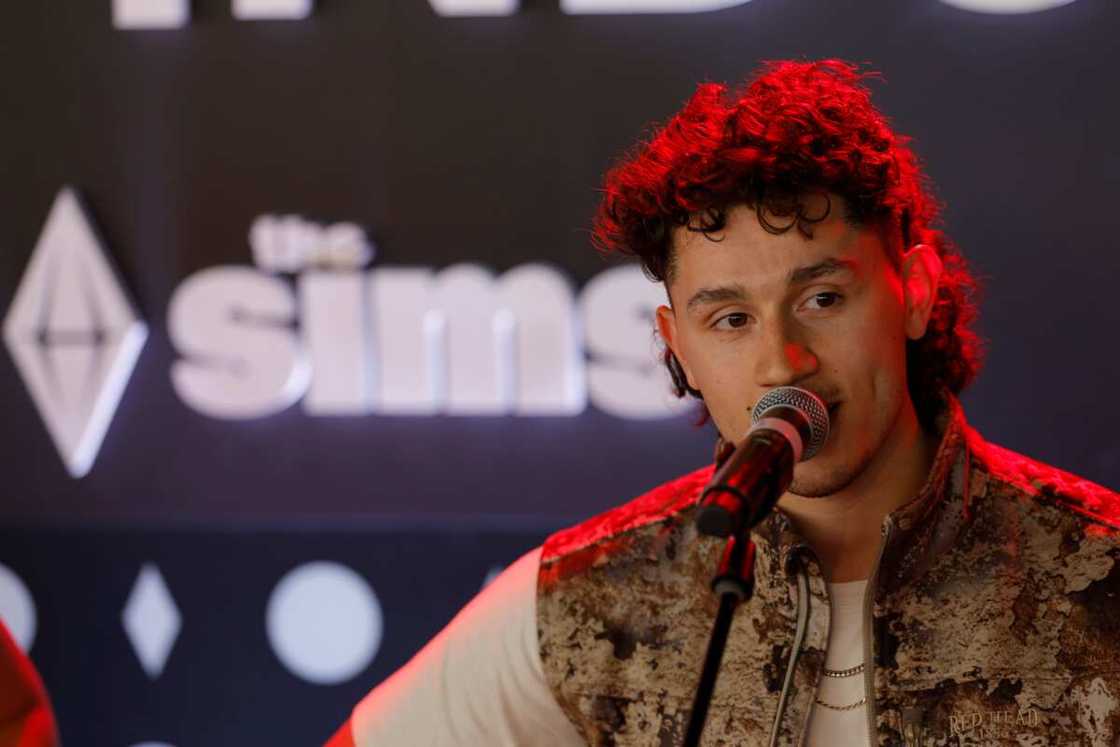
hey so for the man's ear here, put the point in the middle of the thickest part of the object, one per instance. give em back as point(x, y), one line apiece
point(667, 328)
point(921, 274)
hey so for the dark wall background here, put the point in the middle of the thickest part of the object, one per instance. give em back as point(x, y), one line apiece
point(469, 139)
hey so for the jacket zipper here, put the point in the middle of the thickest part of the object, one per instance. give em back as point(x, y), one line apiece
point(798, 640)
point(868, 663)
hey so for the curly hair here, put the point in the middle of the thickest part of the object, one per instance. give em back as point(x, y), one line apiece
point(798, 127)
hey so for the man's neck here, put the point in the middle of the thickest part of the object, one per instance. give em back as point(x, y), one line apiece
point(845, 529)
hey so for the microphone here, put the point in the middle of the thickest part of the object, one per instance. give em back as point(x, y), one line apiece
point(788, 425)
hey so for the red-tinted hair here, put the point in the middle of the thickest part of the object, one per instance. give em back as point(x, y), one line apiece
point(797, 127)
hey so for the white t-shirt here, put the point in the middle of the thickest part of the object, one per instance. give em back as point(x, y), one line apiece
point(480, 681)
point(827, 726)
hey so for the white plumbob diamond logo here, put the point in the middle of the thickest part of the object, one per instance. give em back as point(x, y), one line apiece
point(73, 333)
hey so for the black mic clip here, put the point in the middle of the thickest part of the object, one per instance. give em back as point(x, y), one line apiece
point(738, 497)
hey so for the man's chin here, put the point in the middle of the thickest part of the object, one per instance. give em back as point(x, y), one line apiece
point(821, 481)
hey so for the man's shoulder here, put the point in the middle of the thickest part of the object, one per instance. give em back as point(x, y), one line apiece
point(1040, 487)
point(603, 531)
point(1042, 559)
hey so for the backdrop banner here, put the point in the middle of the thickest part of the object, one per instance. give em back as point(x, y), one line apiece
point(304, 334)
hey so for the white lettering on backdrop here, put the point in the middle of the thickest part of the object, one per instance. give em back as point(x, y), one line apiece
point(1007, 7)
point(150, 14)
point(262, 10)
point(242, 358)
point(154, 14)
point(407, 340)
point(169, 14)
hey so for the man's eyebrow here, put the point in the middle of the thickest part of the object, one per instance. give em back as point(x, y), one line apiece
point(718, 294)
point(798, 276)
point(828, 266)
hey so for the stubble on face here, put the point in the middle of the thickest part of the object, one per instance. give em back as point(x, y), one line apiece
point(831, 480)
point(823, 480)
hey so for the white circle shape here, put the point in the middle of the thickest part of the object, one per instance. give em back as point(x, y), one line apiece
point(324, 622)
point(17, 608)
point(1007, 7)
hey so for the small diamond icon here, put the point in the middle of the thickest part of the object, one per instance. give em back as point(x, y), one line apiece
point(151, 620)
point(73, 334)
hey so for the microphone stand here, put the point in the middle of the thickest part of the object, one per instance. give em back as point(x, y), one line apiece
point(728, 511)
point(734, 582)
point(743, 490)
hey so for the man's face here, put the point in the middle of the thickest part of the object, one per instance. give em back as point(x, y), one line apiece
point(755, 310)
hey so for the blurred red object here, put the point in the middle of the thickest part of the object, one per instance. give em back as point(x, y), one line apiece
point(25, 711)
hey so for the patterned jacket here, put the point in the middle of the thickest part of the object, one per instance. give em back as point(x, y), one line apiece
point(992, 616)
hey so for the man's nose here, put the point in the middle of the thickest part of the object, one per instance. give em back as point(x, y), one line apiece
point(783, 358)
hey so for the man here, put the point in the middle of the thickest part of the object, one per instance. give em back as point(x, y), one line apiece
point(916, 585)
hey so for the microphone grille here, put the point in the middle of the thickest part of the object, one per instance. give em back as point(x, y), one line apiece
point(805, 402)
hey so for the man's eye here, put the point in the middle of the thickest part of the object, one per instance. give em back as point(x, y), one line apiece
point(732, 321)
point(825, 300)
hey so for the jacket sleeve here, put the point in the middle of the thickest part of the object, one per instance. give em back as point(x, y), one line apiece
point(480, 681)
point(25, 712)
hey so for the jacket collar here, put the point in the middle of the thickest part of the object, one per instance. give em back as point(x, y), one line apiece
point(928, 526)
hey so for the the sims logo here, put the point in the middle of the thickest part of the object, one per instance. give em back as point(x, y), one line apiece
point(311, 323)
